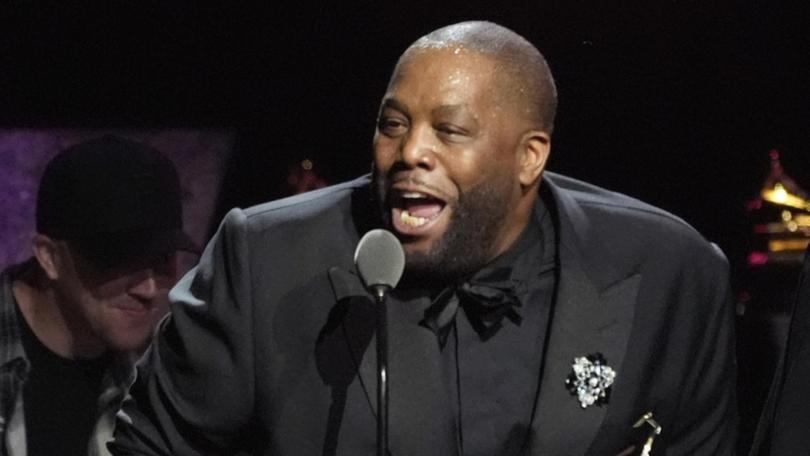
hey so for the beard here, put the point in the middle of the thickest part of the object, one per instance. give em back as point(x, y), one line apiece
point(476, 221)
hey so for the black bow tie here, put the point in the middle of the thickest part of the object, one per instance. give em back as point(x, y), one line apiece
point(486, 300)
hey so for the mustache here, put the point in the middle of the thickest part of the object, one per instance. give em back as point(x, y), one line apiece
point(383, 184)
point(415, 181)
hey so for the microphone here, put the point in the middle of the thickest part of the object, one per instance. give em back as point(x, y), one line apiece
point(380, 261)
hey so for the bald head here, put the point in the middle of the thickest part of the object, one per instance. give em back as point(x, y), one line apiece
point(524, 80)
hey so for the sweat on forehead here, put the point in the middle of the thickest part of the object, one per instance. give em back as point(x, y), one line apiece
point(525, 76)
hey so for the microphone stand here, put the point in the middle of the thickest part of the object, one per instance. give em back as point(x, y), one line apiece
point(380, 260)
point(380, 292)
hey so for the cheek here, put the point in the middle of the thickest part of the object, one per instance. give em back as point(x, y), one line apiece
point(471, 167)
point(166, 281)
point(162, 303)
point(384, 152)
point(499, 176)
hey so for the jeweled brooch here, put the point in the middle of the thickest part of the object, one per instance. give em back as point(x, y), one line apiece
point(590, 380)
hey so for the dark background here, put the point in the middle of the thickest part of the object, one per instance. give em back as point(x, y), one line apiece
point(675, 102)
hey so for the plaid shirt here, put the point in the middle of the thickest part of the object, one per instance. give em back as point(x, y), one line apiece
point(14, 366)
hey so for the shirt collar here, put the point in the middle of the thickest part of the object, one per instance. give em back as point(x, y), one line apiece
point(11, 348)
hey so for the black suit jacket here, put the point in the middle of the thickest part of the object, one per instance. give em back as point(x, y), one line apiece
point(784, 427)
point(269, 348)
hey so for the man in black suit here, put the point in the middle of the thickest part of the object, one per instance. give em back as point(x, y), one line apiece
point(538, 314)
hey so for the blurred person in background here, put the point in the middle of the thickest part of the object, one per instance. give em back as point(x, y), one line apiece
point(75, 316)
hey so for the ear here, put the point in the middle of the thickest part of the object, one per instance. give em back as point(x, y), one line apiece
point(533, 155)
point(48, 255)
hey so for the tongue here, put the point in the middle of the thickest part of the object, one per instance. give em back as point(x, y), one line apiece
point(425, 209)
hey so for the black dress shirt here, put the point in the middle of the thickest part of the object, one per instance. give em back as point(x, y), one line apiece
point(491, 378)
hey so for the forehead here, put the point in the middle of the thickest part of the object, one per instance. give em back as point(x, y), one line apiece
point(451, 75)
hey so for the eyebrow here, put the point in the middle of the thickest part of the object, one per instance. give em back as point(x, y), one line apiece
point(394, 104)
point(449, 109)
point(443, 109)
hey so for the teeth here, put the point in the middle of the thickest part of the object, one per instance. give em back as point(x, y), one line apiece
point(411, 220)
point(412, 195)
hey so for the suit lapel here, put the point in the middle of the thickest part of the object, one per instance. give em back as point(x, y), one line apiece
point(593, 313)
point(420, 418)
point(358, 333)
point(584, 322)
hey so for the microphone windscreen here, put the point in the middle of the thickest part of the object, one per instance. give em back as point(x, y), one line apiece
point(379, 259)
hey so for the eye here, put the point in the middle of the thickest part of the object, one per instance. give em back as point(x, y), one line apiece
point(391, 126)
point(452, 132)
point(165, 264)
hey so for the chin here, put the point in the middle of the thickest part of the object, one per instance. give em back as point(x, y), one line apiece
point(417, 248)
point(135, 342)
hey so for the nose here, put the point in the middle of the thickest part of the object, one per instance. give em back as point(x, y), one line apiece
point(144, 286)
point(418, 150)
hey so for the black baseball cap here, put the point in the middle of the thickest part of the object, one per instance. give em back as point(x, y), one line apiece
point(114, 199)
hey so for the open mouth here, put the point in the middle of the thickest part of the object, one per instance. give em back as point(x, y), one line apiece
point(413, 212)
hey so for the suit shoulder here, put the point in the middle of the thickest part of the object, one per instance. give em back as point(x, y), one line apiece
point(637, 223)
point(590, 195)
point(328, 202)
point(618, 205)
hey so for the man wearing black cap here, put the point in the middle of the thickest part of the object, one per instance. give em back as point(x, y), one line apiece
point(74, 316)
